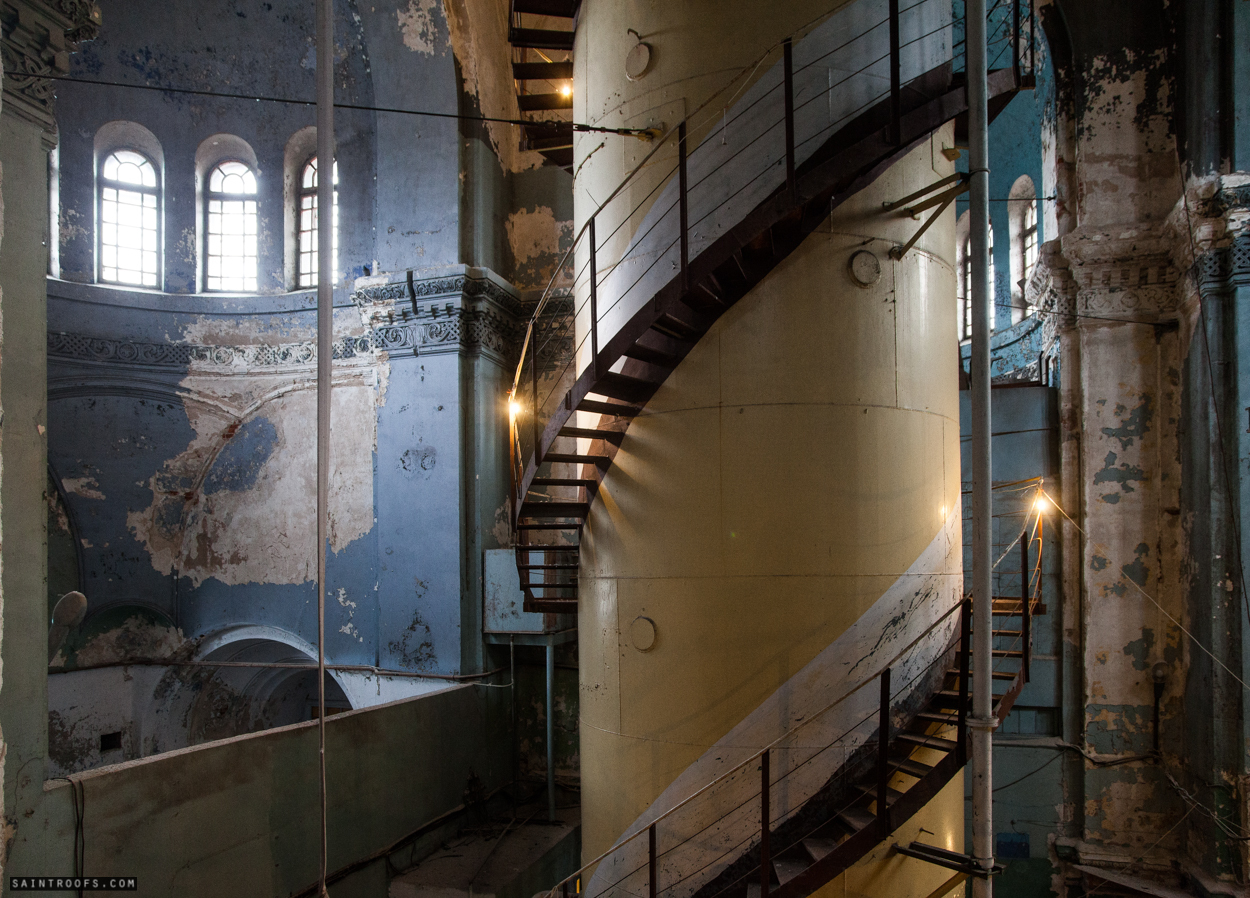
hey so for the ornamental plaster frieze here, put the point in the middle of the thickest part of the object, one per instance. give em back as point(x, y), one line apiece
point(458, 330)
point(1096, 278)
point(243, 359)
point(38, 36)
point(1052, 291)
point(443, 315)
point(400, 302)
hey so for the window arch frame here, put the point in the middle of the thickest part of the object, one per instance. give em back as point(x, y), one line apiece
point(307, 280)
point(214, 196)
point(156, 192)
point(963, 276)
point(1024, 233)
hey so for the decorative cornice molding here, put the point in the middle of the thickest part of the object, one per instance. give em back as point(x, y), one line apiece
point(465, 330)
point(183, 356)
point(1225, 266)
point(403, 301)
point(38, 36)
point(1052, 291)
point(475, 315)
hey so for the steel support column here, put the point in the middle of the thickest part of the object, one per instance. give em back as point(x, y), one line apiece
point(982, 722)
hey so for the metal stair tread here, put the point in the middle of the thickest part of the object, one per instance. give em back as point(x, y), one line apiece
point(568, 458)
point(541, 38)
point(609, 408)
point(589, 433)
point(855, 818)
point(788, 868)
point(542, 71)
point(818, 848)
point(544, 102)
point(926, 741)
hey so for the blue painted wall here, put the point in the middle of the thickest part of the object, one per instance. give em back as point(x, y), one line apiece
point(1015, 149)
point(137, 376)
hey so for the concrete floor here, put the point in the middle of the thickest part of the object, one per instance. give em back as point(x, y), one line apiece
point(502, 858)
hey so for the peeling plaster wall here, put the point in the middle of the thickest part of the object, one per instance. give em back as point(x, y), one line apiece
point(184, 445)
point(147, 42)
point(203, 461)
point(1142, 308)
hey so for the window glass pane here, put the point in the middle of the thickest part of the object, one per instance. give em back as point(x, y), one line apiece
point(307, 217)
point(231, 249)
point(129, 224)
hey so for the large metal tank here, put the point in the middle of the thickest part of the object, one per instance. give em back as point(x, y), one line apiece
point(794, 485)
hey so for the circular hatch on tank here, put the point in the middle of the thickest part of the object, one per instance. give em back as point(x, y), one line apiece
point(865, 268)
point(642, 634)
point(637, 61)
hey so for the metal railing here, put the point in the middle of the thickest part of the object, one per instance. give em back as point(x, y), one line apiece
point(756, 133)
point(821, 756)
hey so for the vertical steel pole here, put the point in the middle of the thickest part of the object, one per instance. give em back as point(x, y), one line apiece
point(765, 860)
point(1025, 610)
point(965, 650)
point(896, 86)
point(651, 860)
point(1015, 41)
point(534, 427)
point(883, 751)
point(325, 359)
point(683, 210)
point(551, 732)
point(1032, 38)
point(594, 305)
point(982, 721)
point(789, 99)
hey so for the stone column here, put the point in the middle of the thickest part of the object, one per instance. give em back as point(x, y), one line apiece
point(38, 36)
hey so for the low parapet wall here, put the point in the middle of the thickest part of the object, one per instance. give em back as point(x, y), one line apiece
point(240, 816)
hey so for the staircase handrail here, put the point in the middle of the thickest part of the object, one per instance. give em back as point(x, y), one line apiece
point(1035, 594)
point(530, 350)
point(659, 141)
point(756, 756)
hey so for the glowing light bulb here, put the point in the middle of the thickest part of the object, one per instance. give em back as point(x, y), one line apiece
point(567, 90)
point(1042, 505)
point(514, 409)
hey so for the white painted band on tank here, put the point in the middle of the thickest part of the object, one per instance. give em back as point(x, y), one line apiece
point(707, 835)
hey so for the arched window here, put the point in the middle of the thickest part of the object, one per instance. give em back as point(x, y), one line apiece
point(130, 211)
point(307, 218)
point(1022, 208)
point(230, 226)
point(964, 276)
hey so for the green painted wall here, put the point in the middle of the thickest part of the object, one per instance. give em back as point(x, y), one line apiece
point(23, 463)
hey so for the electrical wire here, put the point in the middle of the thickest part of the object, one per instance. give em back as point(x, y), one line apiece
point(355, 107)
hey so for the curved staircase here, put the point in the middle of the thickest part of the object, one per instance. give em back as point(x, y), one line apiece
point(557, 475)
point(908, 750)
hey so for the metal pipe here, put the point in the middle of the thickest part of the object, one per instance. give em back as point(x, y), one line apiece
point(325, 358)
point(896, 135)
point(982, 721)
point(594, 304)
point(683, 208)
point(883, 759)
point(1026, 620)
point(788, 60)
point(551, 731)
point(279, 665)
point(765, 860)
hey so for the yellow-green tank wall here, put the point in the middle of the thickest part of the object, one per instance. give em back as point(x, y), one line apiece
point(793, 467)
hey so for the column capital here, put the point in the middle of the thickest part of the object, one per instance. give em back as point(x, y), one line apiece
point(37, 39)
